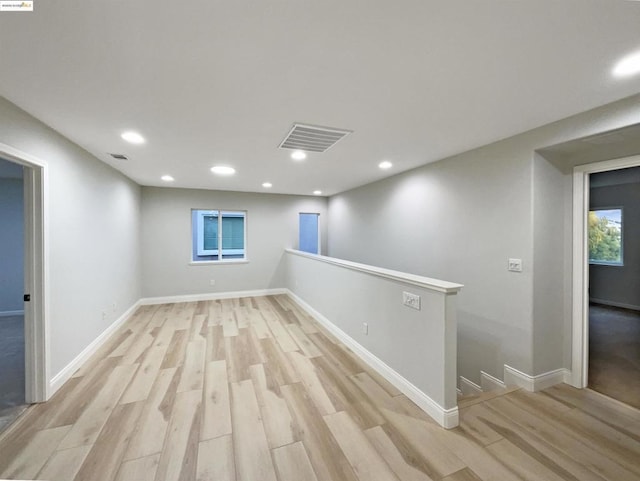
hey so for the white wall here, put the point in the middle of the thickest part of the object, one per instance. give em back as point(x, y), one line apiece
point(460, 219)
point(272, 226)
point(11, 244)
point(94, 224)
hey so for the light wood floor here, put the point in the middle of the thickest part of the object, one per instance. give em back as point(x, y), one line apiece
point(253, 390)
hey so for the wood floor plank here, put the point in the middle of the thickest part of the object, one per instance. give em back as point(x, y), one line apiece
point(404, 470)
point(146, 375)
point(215, 313)
point(276, 417)
point(293, 464)
point(229, 325)
point(365, 460)
point(278, 364)
point(253, 458)
point(259, 325)
point(465, 474)
point(177, 349)
point(197, 326)
point(148, 438)
point(103, 461)
point(216, 460)
point(178, 460)
point(520, 463)
point(138, 348)
point(93, 418)
point(281, 335)
point(64, 465)
point(140, 469)
point(312, 383)
point(216, 403)
point(33, 457)
point(305, 344)
point(193, 370)
point(328, 460)
point(215, 344)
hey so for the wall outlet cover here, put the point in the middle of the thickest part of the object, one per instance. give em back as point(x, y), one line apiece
point(411, 300)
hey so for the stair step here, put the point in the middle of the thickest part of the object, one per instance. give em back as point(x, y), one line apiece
point(470, 400)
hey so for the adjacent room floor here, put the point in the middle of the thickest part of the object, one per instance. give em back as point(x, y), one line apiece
point(11, 368)
point(254, 390)
point(614, 353)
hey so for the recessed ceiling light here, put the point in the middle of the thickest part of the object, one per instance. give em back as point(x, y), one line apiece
point(167, 178)
point(298, 155)
point(385, 165)
point(267, 185)
point(317, 192)
point(133, 137)
point(629, 65)
point(223, 170)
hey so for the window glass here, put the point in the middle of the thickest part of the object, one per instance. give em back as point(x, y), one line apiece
point(218, 235)
point(605, 236)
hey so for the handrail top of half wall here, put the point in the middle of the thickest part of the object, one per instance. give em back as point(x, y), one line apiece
point(420, 281)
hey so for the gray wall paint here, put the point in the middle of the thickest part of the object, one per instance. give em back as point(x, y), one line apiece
point(460, 219)
point(94, 241)
point(11, 244)
point(272, 226)
point(619, 284)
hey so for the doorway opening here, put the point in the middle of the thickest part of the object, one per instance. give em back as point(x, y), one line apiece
point(12, 340)
point(594, 336)
point(614, 284)
point(28, 290)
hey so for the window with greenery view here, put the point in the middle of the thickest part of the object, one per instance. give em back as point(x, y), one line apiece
point(218, 235)
point(605, 236)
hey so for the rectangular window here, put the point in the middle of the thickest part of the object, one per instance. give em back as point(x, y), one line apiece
point(218, 235)
point(605, 236)
point(309, 235)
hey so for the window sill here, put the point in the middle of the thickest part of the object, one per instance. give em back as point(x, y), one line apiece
point(218, 263)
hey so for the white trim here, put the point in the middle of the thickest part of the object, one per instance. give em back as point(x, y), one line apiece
point(11, 313)
point(36, 272)
point(490, 383)
point(65, 374)
point(605, 302)
point(420, 281)
point(468, 387)
point(211, 296)
point(447, 418)
point(513, 377)
point(580, 291)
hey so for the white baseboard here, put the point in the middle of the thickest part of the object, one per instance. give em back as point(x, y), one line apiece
point(146, 301)
point(490, 383)
point(513, 377)
point(469, 388)
point(447, 418)
point(11, 313)
point(65, 374)
point(614, 304)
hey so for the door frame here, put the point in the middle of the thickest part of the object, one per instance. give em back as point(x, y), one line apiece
point(36, 272)
point(580, 309)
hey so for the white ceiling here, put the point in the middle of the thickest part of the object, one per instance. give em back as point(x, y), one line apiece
point(221, 82)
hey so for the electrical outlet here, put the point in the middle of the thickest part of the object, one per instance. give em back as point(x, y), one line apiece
point(515, 265)
point(104, 315)
point(411, 300)
point(365, 328)
point(212, 282)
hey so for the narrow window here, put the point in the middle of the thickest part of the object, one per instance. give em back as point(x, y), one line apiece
point(605, 236)
point(218, 235)
point(309, 234)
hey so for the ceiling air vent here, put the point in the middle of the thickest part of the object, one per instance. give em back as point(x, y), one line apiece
point(312, 138)
point(119, 156)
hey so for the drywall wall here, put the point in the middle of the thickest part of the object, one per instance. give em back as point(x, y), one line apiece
point(619, 285)
point(93, 235)
point(272, 226)
point(462, 218)
point(11, 244)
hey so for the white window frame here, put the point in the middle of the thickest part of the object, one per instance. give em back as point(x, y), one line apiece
point(610, 263)
point(219, 252)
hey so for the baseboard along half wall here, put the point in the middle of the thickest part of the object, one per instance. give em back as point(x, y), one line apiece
point(513, 377)
point(447, 418)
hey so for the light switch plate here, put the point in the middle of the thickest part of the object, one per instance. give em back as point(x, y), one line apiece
point(515, 265)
